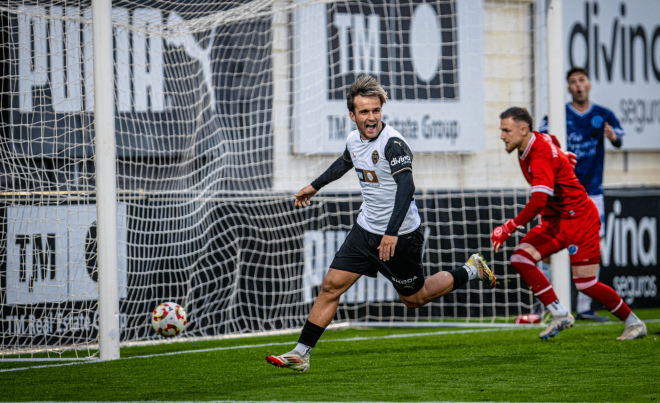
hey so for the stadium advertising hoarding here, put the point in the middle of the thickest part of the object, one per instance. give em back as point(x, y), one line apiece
point(629, 249)
point(231, 272)
point(50, 276)
point(163, 85)
point(618, 42)
point(427, 55)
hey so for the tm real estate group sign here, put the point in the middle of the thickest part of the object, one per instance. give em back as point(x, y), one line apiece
point(427, 55)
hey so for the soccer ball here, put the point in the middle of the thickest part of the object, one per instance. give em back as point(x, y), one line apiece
point(169, 319)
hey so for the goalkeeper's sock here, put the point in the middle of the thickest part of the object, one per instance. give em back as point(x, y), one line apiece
point(603, 294)
point(525, 265)
point(557, 309)
point(310, 334)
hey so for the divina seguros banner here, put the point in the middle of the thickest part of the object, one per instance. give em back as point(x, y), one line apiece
point(618, 42)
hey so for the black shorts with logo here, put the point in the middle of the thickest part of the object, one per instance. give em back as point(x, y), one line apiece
point(359, 254)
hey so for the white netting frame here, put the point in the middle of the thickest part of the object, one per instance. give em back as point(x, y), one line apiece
point(185, 192)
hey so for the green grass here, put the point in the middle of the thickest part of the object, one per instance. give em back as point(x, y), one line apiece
point(584, 364)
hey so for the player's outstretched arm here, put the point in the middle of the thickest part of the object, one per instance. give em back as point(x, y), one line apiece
point(338, 168)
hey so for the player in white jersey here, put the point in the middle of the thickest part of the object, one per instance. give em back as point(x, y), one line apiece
point(387, 237)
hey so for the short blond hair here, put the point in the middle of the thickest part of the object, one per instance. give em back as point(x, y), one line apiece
point(366, 86)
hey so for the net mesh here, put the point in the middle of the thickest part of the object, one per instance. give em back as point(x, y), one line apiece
point(223, 110)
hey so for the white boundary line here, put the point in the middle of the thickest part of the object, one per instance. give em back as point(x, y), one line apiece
point(392, 336)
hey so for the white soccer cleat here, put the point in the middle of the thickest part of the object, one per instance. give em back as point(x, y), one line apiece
point(483, 272)
point(291, 360)
point(633, 332)
point(557, 324)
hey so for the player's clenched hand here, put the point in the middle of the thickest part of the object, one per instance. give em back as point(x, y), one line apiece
point(386, 248)
point(502, 233)
point(572, 158)
point(302, 197)
point(609, 132)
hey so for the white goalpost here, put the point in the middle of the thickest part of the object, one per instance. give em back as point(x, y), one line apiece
point(150, 151)
point(561, 272)
point(106, 174)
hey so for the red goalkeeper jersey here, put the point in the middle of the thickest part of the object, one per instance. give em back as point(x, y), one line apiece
point(547, 169)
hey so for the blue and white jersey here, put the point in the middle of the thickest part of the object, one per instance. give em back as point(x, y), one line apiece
point(585, 134)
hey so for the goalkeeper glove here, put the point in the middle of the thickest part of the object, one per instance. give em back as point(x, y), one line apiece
point(502, 233)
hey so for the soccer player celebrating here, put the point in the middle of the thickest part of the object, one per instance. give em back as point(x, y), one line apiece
point(587, 126)
point(387, 237)
point(569, 220)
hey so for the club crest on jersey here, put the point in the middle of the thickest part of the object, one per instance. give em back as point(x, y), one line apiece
point(374, 157)
point(597, 122)
point(572, 249)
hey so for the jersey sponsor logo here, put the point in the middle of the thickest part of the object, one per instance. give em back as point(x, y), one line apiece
point(398, 142)
point(365, 175)
point(404, 282)
point(375, 157)
point(404, 159)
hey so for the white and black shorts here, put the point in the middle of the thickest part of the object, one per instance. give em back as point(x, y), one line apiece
point(359, 254)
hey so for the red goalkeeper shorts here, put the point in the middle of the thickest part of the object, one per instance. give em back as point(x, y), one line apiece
point(580, 235)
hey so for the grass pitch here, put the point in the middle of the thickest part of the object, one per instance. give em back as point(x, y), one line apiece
point(584, 364)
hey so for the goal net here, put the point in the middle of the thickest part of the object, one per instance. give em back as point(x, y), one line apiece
point(223, 110)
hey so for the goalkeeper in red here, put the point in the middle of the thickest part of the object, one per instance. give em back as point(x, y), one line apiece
point(570, 220)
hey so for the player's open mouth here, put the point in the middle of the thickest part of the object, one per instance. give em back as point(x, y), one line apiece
point(371, 127)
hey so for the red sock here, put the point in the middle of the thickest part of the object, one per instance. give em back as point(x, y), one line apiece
point(525, 265)
point(593, 288)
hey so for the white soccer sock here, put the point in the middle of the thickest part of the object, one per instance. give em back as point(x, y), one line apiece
point(472, 272)
point(632, 320)
point(557, 309)
point(303, 350)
